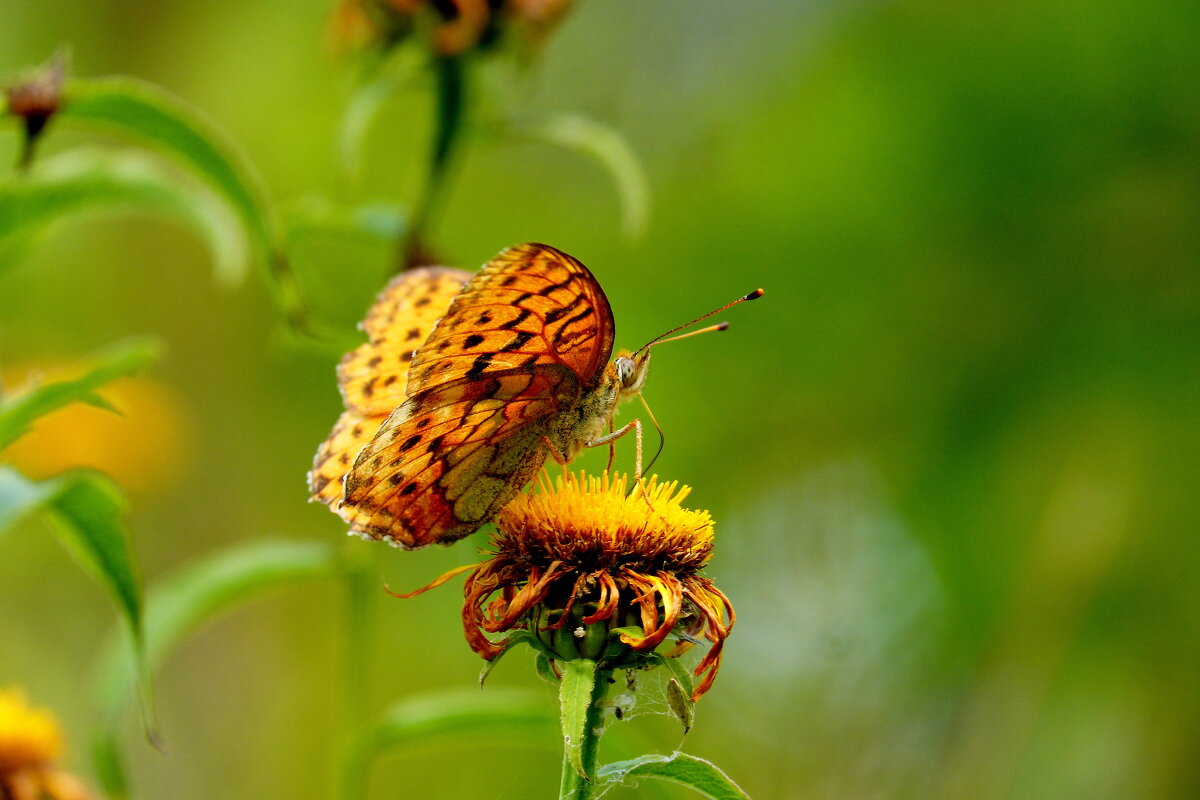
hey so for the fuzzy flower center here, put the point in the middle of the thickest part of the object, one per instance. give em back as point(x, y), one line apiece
point(596, 523)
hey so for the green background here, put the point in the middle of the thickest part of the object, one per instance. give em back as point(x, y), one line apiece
point(952, 454)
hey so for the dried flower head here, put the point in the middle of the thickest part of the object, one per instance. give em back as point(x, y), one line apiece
point(593, 570)
point(30, 743)
point(35, 100)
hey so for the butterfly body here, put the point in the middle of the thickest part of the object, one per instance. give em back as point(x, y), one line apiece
point(516, 369)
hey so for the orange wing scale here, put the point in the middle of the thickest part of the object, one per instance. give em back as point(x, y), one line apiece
point(373, 378)
point(520, 344)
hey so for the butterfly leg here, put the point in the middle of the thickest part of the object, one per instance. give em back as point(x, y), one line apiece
point(608, 439)
point(612, 448)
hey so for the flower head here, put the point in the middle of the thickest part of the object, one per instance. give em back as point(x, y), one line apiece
point(452, 26)
point(36, 99)
point(593, 570)
point(30, 743)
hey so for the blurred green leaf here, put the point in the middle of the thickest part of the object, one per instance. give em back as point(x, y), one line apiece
point(575, 700)
point(607, 146)
point(179, 605)
point(90, 180)
point(19, 496)
point(448, 715)
point(125, 358)
point(86, 510)
point(176, 129)
point(318, 216)
point(696, 773)
point(402, 66)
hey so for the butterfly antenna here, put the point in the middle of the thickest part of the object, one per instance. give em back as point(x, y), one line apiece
point(757, 293)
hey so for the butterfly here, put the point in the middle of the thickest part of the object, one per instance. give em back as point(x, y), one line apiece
point(517, 369)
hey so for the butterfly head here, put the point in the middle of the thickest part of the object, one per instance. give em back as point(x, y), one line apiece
point(629, 372)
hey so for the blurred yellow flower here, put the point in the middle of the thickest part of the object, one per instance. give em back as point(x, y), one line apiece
point(30, 743)
point(143, 448)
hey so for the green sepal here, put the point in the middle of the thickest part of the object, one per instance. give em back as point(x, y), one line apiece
point(516, 638)
point(543, 664)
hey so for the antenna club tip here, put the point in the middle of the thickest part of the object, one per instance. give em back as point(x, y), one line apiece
point(757, 293)
point(721, 326)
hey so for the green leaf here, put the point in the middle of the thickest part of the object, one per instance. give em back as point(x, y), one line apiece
point(575, 695)
point(176, 129)
point(449, 716)
point(19, 496)
point(608, 147)
point(90, 180)
point(696, 773)
point(86, 510)
point(180, 604)
point(125, 358)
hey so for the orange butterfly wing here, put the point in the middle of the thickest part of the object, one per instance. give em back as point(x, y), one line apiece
point(531, 304)
point(373, 378)
point(520, 344)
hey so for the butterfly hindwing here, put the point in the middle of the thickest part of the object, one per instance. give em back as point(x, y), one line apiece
point(373, 378)
point(446, 461)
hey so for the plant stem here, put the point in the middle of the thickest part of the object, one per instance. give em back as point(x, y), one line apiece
point(574, 786)
point(450, 74)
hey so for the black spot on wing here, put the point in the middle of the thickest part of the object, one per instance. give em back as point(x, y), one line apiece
point(515, 321)
point(517, 342)
point(480, 365)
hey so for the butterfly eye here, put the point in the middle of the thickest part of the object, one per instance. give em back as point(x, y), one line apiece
point(626, 370)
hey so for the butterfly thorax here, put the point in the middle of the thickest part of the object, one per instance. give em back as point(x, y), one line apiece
point(589, 419)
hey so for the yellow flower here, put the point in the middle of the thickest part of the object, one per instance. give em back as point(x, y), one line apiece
point(596, 571)
point(30, 743)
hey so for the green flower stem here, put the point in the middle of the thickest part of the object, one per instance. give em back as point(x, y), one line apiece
point(361, 575)
point(573, 785)
point(450, 73)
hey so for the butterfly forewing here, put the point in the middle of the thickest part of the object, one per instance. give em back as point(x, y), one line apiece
point(532, 304)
